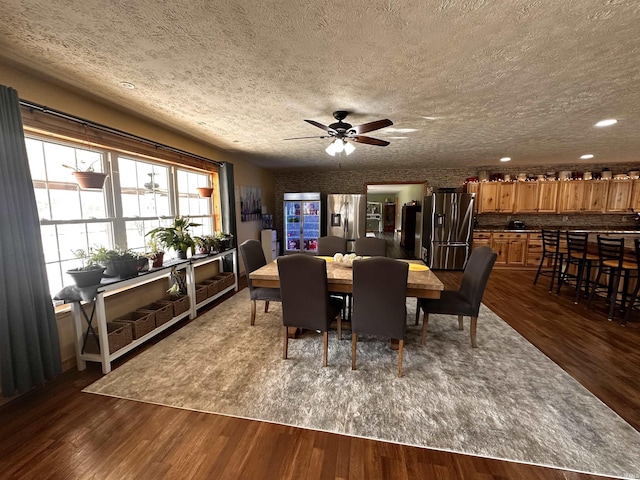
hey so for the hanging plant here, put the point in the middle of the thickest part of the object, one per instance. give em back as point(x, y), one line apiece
point(87, 177)
point(205, 192)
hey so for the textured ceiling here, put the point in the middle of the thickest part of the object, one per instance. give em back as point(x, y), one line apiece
point(475, 79)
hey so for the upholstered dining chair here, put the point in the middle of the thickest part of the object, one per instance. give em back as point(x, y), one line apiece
point(305, 298)
point(371, 247)
point(379, 302)
point(253, 258)
point(465, 301)
point(328, 246)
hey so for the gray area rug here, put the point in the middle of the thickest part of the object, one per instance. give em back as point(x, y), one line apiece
point(503, 400)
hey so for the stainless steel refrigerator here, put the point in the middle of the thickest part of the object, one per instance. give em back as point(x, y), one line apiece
point(347, 217)
point(447, 230)
point(302, 225)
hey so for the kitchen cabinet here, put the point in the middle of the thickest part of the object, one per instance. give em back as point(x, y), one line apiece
point(511, 248)
point(619, 196)
point(269, 240)
point(474, 187)
point(583, 196)
point(635, 197)
point(534, 250)
point(497, 197)
point(481, 239)
point(537, 197)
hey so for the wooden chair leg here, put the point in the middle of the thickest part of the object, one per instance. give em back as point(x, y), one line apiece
point(354, 341)
point(339, 326)
point(417, 311)
point(325, 338)
point(614, 292)
point(266, 306)
point(474, 321)
point(285, 345)
point(400, 349)
point(425, 320)
point(253, 312)
point(460, 322)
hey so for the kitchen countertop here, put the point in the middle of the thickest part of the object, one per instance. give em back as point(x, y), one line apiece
point(614, 230)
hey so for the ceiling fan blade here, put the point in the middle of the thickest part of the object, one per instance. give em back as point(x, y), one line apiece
point(319, 125)
point(369, 140)
point(369, 127)
point(300, 138)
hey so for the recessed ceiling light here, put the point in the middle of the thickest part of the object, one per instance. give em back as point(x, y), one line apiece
point(606, 123)
point(127, 85)
point(432, 118)
point(397, 138)
point(202, 123)
point(505, 159)
point(586, 156)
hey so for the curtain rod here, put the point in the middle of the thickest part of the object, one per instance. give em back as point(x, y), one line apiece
point(104, 128)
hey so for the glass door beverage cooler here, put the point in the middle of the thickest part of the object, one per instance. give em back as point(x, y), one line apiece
point(302, 213)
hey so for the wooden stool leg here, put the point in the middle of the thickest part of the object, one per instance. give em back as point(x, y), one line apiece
point(339, 326)
point(425, 320)
point(354, 341)
point(474, 322)
point(325, 341)
point(266, 306)
point(285, 345)
point(400, 349)
point(417, 311)
point(253, 312)
point(460, 322)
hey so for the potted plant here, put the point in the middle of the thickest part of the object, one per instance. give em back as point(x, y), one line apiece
point(118, 262)
point(87, 177)
point(224, 240)
point(90, 273)
point(156, 253)
point(204, 244)
point(177, 236)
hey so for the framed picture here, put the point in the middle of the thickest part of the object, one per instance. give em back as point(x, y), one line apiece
point(250, 203)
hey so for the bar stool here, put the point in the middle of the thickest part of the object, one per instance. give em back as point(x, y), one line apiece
point(634, 295)
point(578, 256)
point(551, 250)
point(612, 263)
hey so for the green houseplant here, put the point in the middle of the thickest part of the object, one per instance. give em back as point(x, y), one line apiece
point(177, 236)
point(86, 176)
point(90, 273)
point(118, 262)
point(156, 252)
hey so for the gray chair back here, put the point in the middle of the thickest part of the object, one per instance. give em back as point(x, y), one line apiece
point(252, 257)
point(330, 245)
point(475, 277)
point(304, 292)
point(371, 247)
point(379, 297)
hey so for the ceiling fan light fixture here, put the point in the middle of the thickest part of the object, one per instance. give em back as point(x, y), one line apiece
point(606, 123)
point(331, 150)
point(338, 145)
point(349, 148)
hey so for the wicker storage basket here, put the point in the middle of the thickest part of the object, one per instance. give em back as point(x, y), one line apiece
point(163, 311)
point(214, 285)
point(120, 335)
point(228, 279)
point(201, 292)
point(181, 304)
point(142, 322)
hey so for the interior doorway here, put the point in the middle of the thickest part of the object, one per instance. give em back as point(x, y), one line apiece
point(394, 212)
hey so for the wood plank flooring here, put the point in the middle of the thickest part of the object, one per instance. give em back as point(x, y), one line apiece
point(58, 432)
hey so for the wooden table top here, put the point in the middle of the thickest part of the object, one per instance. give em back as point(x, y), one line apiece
point(421, 282)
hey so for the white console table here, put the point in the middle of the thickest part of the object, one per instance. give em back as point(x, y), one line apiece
point(105, 357)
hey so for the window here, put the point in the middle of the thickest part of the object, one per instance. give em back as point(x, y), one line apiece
point(140, 194)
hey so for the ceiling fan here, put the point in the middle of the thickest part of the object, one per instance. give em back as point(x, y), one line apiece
point(343, 133)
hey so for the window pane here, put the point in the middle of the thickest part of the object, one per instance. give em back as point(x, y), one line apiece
point(36, 159)
point(49, 243)
point(55, 157)
point(99, 235)
point(42, 201)
point(144, 188)
point(93, 204)
point(189, 202)
point(65, 204)
point(56, 280)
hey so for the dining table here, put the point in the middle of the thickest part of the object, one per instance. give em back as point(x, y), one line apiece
point(421, 281)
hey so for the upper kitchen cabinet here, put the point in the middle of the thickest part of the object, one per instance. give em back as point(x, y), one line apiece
point(583, 196)
point(497, 197)
point(474, 187)
point(635, 197)
point(536, 197)
point(619, 197)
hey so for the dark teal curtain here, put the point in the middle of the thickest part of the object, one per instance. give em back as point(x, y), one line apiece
point(29, 345)
point(228, 207)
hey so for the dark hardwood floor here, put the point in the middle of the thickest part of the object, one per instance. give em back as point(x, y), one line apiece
point(58, 432)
